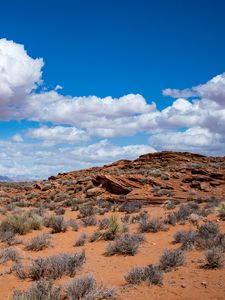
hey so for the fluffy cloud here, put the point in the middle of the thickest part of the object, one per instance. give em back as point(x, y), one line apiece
point(213, 90)
point(17, 138)
point(19, 75)
point(196, 139)
point(58, 134)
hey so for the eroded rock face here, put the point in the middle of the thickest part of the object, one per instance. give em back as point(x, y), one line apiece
point(153, 178)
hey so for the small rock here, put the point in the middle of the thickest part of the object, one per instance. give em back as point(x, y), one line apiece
point(183, 285)
point(204, 283)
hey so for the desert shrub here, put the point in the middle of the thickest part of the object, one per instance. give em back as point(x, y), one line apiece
point(51, 205)
point(183, 213)
point(151, 225)
point(35, 222)
point(61, 196)
point(214, 258)
point(126, 219)
point(86, 211)
point(21, 270)
point(81, 240)
point(106, 205)
point(115, 227)
point(55, 266)
point(7, 236)
point(85, 287)
point(40, 290)
point(39, 242)
point(60, 211)
point(211, 203)
point(103, 224)
point(204, 242)
point(221, 211)
point(39, 211)
point(130, 207)
point(73, 224)
point(97, 235)
point(143, 215)
point(89, 221)
point(17, 224)
point(169, 204)
point(161, 192)
point(57, 224)
point(187, 238)
point(10, 253)
point(46, 187)
point(153, 274)
point(88, 187)
point(208, 230)
point(171, 219)
point(135, 276)
point(171, 259)
point(32, 196)
point(126, 244)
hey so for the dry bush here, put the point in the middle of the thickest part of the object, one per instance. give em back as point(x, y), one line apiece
point(221, 211)
point(89, 221)
point(10, 253)
point(214, 258)
point(60, 211)
point(39, 242)
point(126, 244)
point(56, 223)
point(86, 211)
point(152, 274)
point(53, 267)
point(187, 238)
point(97, 235)
point(73, 224)
point(18, 224)
point(40, 290)
point(151, 225)
point(171, 259)
point(85, 287)
point(103, 224)
point(130, 207)
point(81, 240)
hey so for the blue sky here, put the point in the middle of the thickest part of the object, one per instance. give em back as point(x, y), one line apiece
point(109, 48)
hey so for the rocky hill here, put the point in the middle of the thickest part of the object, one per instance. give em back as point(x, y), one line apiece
point(153, 178)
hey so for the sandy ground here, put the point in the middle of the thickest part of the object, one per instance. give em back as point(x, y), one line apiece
point(186, 282)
